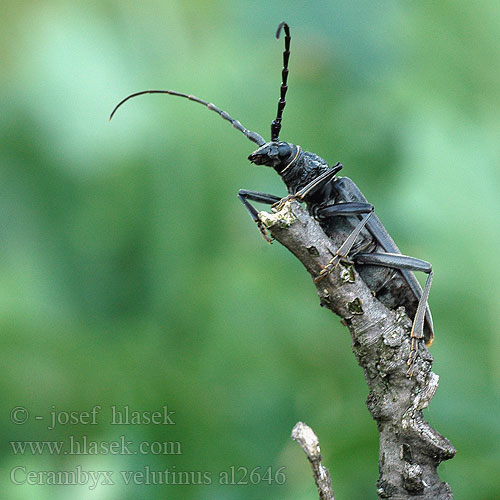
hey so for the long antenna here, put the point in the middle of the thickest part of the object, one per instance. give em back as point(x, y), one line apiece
point(276, 124)
point(253, 136)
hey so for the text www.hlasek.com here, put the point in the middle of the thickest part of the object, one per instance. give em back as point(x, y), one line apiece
point(84, 446)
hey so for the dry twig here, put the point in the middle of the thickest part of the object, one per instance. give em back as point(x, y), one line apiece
point(309, 442)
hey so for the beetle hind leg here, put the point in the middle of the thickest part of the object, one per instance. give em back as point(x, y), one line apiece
point(404, 262)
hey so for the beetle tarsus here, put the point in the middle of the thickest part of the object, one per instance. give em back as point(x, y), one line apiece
point(280, 204)
point(265, 233)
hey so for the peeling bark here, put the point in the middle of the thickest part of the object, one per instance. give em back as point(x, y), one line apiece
point(410, 449)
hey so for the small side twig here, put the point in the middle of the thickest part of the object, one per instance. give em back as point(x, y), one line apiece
point(309, 442)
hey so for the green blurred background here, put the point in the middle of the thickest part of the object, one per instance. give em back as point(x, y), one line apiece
point(130, 274)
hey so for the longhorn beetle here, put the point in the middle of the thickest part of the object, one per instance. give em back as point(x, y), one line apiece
point(338, 205)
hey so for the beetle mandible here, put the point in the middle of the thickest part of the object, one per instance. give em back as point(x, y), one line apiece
point(338, 205)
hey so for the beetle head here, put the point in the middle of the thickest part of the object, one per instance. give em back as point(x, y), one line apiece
point(273, 154)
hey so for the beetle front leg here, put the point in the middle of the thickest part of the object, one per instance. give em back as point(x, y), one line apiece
point(244, 195)
point(310, 188)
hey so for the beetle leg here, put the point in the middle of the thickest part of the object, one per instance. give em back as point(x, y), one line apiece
point(346, 209)
point(244, 195)
point(310, 188)
point(345, 248)
point(398, 261)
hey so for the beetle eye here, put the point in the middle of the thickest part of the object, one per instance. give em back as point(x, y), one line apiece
point(284, 150)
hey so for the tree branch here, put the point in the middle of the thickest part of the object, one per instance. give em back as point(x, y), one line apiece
point(410, 449)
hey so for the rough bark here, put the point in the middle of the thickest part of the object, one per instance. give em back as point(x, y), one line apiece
point(410, 449)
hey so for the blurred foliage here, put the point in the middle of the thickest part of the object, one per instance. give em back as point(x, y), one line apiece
point(130, 274)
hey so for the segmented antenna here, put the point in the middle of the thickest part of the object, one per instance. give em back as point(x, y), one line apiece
point(253, 136)
point(276, 124)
